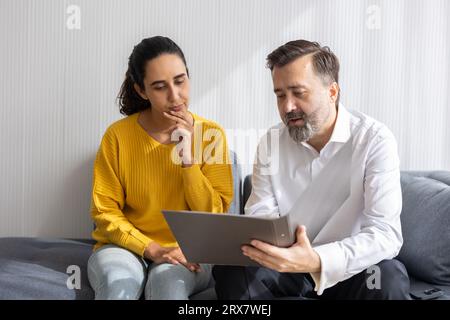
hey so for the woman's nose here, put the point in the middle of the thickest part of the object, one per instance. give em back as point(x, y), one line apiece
point(172, 93)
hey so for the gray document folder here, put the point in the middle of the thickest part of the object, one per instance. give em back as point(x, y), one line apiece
point(217, 238)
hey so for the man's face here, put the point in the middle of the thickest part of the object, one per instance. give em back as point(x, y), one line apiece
point(304, 100)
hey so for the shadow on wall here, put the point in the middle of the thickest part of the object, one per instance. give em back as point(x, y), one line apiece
point(75, 196)
point(239, 35)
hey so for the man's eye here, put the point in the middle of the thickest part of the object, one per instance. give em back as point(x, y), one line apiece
point(179, 81)
point(281, 96)
point(299, 94)
point(159, 87)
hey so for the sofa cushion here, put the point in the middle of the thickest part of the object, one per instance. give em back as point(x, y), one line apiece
point(426, 226)
point(417, 286)
point(36, 268)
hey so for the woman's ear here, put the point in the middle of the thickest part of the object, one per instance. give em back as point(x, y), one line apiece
point(139, 91)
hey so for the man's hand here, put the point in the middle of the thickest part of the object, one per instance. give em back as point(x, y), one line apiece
point(173, 255)
point(183, 131)
point(298, 258)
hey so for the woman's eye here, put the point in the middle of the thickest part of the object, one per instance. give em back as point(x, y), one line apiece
point(159, 87)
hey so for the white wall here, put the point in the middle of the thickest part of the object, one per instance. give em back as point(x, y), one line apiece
point(58, 86)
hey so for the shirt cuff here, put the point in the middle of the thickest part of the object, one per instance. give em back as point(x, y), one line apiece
point(333, 266)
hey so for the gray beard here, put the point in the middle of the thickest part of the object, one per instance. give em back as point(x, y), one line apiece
point(301, 134)
point(308, 130)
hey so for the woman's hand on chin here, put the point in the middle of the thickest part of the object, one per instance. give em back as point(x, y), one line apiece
point(182, 133)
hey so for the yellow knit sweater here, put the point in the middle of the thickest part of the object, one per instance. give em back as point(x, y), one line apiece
point(135, 177)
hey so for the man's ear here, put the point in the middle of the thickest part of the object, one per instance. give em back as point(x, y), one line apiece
point(334, 92)
point(139, 91)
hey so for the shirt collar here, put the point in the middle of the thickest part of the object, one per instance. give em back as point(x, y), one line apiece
point(341, 131)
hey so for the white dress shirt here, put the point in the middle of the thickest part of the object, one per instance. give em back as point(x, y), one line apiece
point(366, 228)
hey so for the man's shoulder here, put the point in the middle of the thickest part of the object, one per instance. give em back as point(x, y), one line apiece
point(362, 124)
point(278, 130)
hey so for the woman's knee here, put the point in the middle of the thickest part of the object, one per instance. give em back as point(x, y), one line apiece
point(116, 273)
point(175, 282)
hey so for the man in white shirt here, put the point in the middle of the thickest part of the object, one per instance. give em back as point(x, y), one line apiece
point(347, 253)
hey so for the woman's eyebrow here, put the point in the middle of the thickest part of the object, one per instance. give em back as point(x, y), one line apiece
point(180, 75)
point(162, 81)
point(157, 82)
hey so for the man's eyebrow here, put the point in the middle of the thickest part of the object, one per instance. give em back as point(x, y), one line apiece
point(293, 87)
point(297, 86)
point(162, 81)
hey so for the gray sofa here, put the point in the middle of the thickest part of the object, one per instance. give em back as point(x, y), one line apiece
point(37, 268)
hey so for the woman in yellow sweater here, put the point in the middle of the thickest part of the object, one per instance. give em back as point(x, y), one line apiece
point(161, 156)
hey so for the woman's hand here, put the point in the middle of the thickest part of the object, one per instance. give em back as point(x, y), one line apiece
point(172, 255)
point(183, 132)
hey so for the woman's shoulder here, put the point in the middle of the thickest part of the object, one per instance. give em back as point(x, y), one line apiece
point(120, 126)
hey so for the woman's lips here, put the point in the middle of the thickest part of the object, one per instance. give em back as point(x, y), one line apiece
point(176, 108)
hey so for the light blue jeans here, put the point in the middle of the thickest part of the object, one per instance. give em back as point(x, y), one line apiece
point(117, 273)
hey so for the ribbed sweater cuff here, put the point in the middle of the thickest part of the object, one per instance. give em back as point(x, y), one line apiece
point(137, 242)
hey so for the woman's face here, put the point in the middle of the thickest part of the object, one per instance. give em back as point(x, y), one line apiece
point(166, 84)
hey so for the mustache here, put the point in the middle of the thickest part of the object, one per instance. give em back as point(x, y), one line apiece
point(295, 115)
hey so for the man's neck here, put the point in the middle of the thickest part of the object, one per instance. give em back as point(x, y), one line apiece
point(323, 136)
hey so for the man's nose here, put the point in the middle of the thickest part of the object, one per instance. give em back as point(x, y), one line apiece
point(289, 106)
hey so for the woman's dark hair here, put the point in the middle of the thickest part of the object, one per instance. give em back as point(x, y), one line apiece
point(325, 62)
point(129, 100)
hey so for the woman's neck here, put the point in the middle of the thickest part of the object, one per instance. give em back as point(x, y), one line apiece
point(154, 122)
